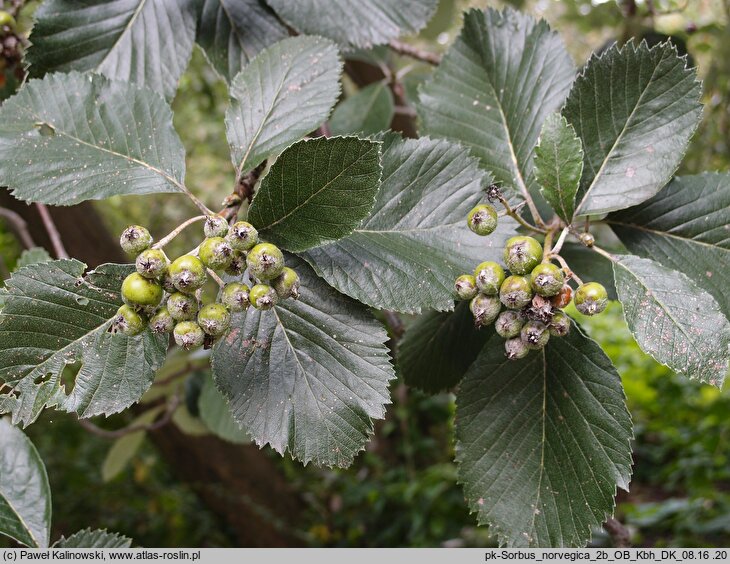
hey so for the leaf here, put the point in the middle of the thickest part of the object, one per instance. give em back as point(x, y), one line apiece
point(407, 254)
point(367, 112)
point(56, 316)
point(436, 350)
point(125, 448)
point(308, 376)
point(362, 23)
point(318, 190)
point(99, 538)
point(543, 441)
point(673, 320)
point(559, 165)
point(232, 32)
point(72, 137)
point(685, 228)
point(36, 255)
point(590, 266)
point(494, 89)
point(216, 414)
point(286, 91)
point(148, 42)
point(25, 496)
point(635, 109)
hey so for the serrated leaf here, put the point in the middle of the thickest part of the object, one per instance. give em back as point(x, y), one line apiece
point(232, 32)
point(148, 42)
point(543, 441)
point(407, 254)
point(438, 348)
point(286, 91)
point(25, 496)
point(367, 112)
point(494, 89)
point(216, 414)
point(362, 23)
point(559, 165)
point(72, 137)
point(56, 315)
point(99, 538)
point(673, 319)
point(308, 376)
point(685, 228)
point(36, 255)
point(318, 190)
point(635, 109)
point(124, 448)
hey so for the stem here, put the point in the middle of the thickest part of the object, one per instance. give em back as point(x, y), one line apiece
point(568, 273)
point(414, 52)
point(324, 130)
point(172, 406)
point(547, 245)
point(52, 231)
point(601, 252)
point(198, 204)
point(518, 218)
point(175, 232)
point(4, 271)
point(559, 244)
point(394, 322)
point(18, 225)
point(215, 277)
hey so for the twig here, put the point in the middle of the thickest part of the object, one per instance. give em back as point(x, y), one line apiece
point(395, 324)
point(172, 406)
point(559, 243)
point(175, 232)
point(405, 111)
point(415, 53)
point(517, 217)
point(52, 231)
point(244, 190)
point(324, 130)
point(620, 534)
point(601, 252)
point(215, 277)
point(175, 375)
point(18, 225)
point(4, 272)
point(568, 272)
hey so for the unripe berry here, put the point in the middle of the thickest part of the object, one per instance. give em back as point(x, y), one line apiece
point(482, 219)
point(138, 291)
point(188, 274)
point(515, 292)
point(214, 319)
point(590, 298)
point(235, 297)
point(522, 254)
point(587, 239)
point(562, 298)
point(128, 322)
point(515, 348)
point(215, 253)
point(182, 307)
point(166, 282)
point(559, 324)
point(238, 264)
point(287, 284)
point(263, 297)
point(162, 321)
point(151, 263)
point(465, 287)
point(485, 309)
point(215, 226)
point(535, 334)
point(135, 239)
point(188, 335)
point(489, 277)
point(547, 279)
point(265, 261)
point(509, 323)
point(6, 19)
point(242, 236)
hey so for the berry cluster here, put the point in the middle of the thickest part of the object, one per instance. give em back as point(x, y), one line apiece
point(167, 296)
point(534, 292)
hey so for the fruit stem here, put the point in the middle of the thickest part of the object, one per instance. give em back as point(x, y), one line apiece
point(604, 253)
point(215, 277)
point(52, 231)
point(414, 52)
point(568, 272)
point(179, 229)
point(559, 244)
point(517, 217)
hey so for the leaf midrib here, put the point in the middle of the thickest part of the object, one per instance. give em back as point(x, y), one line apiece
point(127, 27)
point(22, 522)
point(666, 234)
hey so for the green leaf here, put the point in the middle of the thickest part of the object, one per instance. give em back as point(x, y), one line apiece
point(99, 538)
point(543, 441)
point(216, 414)
point(232, 32)
point(55, 316)
point(407, 254)
point(286, 91)
point(635, 109)
point(142, 41)
point(673, 320)
point(559, 165)
point(494, 89)
point(72, 137)
point(367, 112)
point(438, 348)
point(685, 228)
point(124, 448)
point(590, 266)
point(25, 496)
point(318, 190)
point(36, 255)
point(362, 23)
point(308, 376)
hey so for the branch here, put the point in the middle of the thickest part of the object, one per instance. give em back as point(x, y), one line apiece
point(243, 190)
point(20, 227)
point(175, 232)
point(517, 217)
point(394, 323)
point(52, 231)
point(414, 52)
point(172, 406)
point(620, 535)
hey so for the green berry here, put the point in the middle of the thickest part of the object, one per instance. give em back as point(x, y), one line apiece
point(465, 287)
point(489, 277)
point(188, 335)
point(215, 253)
point(188, 274)
point(509, 323)
point(265, 261)
point(535, 334)
point(138, 291)
point(182, 307)
point(238, 264)
point(287, 284)
point(587, 239)
point(151, 263)
point(590, 298)
point(135, 239)
point(7, 19)
point(515, 292)
point(482, 219)
point(167, 283)
point(215, 226)
point(484, 309)
point(235, 297)
point(128, 322)
point(162, 321)
point(522, 254)
point(214, 319)
point(547, 279)
point(559, 324)
point(263, 297)
point(515, 348)
point(242, 236)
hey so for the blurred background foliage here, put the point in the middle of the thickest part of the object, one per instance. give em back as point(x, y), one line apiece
point(402, 491)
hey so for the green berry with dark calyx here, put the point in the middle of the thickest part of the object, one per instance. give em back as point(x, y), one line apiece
point(235, 297)
point(167, 283)
point(216, 253)
point(516, 292)
point(188, 335)
point(152, 263)
point(238, 264)
point(182, 307)
point(465, 287)
point(128, 322)
point(287, 284)
point(263, 297)
point(590, 298)
point(482, 219)
point(242, 236)
point(214, 319)
point(485, 310)
point(188, 274)
point(535, 334)
point(215, 226)
point(559, 324)
point(265, 261)
point(489, 277)
point(515, 348)
point(135, 239)
point(522, 254)
point(162, 321)
point(509, 323)
point(140, 292)
point(547, 279)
